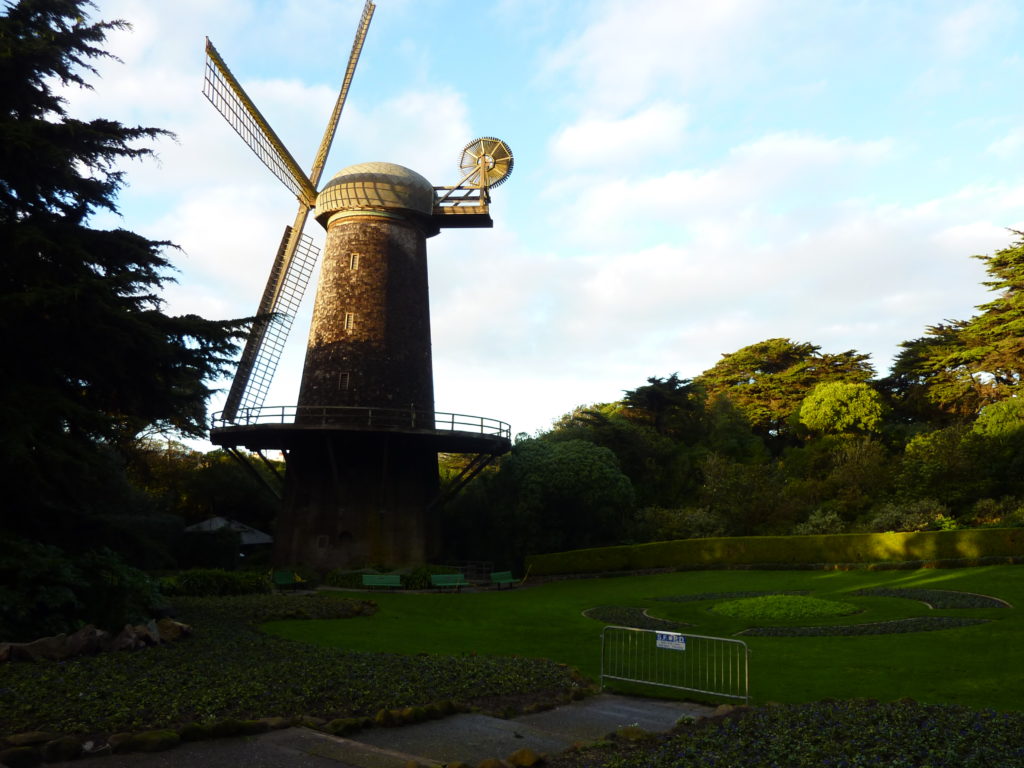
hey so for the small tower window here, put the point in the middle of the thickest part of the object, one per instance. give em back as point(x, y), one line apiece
point(344, 380)
point(353, 261)
point(349, 321)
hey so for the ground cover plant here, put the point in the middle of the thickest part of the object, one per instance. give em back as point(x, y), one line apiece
point(939, 598)
point(784, 608)
point(981, 664)
point(624, 616)
point(227, 669)
point(861, 733)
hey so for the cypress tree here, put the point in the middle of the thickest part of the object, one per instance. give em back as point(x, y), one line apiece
point(91, 358)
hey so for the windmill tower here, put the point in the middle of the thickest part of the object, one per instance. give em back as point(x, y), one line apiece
point(361, 445)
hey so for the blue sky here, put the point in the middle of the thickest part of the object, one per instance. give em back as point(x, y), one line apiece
point(690, 177)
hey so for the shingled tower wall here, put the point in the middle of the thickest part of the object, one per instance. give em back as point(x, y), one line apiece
point(355, 498)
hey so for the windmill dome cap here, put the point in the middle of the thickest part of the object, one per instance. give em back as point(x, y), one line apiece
point(375, 186)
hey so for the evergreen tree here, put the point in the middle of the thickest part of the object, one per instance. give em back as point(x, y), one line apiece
point(92, 359)
point(961, 366)
point(767, 381)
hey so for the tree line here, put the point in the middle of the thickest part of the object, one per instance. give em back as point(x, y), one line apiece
point(778, 437)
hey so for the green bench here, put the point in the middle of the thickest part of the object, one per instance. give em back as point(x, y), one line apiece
point(455, 580)
point(286, 579)
point(382, 580)
point(503, 577)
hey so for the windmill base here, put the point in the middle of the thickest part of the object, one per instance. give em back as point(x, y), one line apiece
point(358, 500)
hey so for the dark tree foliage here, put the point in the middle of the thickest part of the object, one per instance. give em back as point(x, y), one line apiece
point(661, 469)
point(767, 381)
point(961, 366)
point(93, 360)
point(673, 406)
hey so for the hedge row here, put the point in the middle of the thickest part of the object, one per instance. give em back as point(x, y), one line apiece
point(796, 551)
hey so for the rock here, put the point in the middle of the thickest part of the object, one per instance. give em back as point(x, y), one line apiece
point(170, 630)
point(252, 727)
point(146, 634)
point(31, 738)
point(722, 710)
point(224, 728)
point(276, 723)
point(116, 740)
point(344, 726)
point(88, 639)
point(95, 747)
point(43, 649)
point(194, 732)
point(631, 733)
point(524, 758)
point(62, 749)
point(21, 757)
point(125, 640)
point(151, 741)
point(5, 652)
point(491, 762)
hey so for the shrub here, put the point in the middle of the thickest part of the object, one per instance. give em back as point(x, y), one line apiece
point(790, 551)
point(213, 582)
point(43, 591)
point(344, 579)
point(209, 549)
point(1005, 512)
point(919, 515)
point(820, 521)
point(419, 578)
point(659, 524)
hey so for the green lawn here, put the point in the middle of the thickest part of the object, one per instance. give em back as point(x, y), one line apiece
point(979, 666)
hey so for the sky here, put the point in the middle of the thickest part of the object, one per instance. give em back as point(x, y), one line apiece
point(690, 177)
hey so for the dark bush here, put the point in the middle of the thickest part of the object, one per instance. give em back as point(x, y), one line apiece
point(44, 592)
point(209, 549)
point(213, 582)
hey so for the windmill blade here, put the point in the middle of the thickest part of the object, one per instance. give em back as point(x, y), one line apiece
point(350, 70)
point(226, 94)
point(293, 266)
point(296, 256)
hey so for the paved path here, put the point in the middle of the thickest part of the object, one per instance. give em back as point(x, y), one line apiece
point(467, 738)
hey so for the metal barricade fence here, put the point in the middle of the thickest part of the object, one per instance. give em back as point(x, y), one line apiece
point(697, 663)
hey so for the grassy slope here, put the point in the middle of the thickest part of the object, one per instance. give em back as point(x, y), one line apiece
point(980, 666)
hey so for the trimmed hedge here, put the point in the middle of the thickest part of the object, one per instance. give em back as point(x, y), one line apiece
point(793, 551)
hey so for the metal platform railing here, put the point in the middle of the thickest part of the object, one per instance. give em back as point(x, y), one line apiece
point(361, 417)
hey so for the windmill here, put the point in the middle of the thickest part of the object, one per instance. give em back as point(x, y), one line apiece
point(361, 445)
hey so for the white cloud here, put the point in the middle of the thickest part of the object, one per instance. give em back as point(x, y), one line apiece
point(777, 172)
point(1009, 145)
point(631, 50)
point(968, 28)
point(595, 144)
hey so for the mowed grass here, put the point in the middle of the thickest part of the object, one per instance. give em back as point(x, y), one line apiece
point(978, 666)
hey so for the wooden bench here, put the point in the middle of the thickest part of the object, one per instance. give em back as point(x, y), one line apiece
point(382, 580)
point(286, 579)
point(441, 580)
point(503, 577)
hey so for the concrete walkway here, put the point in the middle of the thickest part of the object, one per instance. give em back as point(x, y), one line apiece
point(467, 738)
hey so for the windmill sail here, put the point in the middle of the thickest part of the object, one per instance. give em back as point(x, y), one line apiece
point(296, 256)
point(278, 307)
point(226, 94)
point(350, 70)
